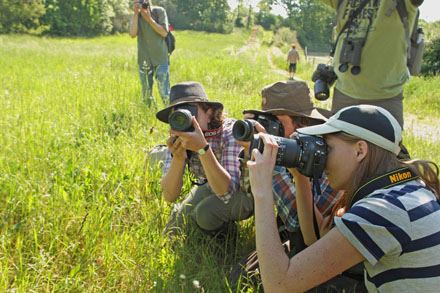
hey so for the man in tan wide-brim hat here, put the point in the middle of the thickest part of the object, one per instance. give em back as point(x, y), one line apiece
point(290, 102)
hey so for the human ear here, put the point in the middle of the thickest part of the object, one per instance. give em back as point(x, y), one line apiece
point(362, 150)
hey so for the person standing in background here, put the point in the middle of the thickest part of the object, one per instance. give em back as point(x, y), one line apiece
point(292, 60)
point(150, 25)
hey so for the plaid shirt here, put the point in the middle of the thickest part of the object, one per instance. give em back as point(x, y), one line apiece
point(284, 193)
point(226, 151)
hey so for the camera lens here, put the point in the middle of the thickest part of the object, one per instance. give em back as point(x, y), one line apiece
point(145, 5)
point(180, 120)
point(243, 130)
point(322, 91)
point(289, 152)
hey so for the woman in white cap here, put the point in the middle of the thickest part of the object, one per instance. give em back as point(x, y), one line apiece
point(388, 218)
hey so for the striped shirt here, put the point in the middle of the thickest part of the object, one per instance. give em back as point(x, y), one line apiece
point(397, 230)
point(226, 151)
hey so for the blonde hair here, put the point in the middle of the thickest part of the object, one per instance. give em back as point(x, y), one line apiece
point(379, 161)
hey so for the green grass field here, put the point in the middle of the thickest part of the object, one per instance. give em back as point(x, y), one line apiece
point(79, 211)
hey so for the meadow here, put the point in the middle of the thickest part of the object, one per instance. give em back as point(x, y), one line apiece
point(80, 210)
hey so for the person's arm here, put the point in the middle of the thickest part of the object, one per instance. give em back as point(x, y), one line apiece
point(304, 203)
point(135, 19)
point(218, 178)
point(146, 14)
point(172, 181)
point(323, 260)
point(297, 57)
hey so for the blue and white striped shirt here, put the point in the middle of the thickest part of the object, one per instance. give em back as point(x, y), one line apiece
point(397, 230)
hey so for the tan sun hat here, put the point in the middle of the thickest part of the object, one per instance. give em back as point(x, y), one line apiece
point(289, 98)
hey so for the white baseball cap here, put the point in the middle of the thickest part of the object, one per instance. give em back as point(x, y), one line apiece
point(370, 123)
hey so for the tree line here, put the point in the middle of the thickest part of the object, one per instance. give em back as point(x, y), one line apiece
point(310, 19)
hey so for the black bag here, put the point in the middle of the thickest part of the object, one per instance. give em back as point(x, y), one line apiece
point(170, 40)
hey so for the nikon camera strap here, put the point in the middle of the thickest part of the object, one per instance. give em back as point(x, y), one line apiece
point(386, 180)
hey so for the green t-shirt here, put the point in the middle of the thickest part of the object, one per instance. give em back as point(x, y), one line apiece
point(383, 60)
point(152, 49)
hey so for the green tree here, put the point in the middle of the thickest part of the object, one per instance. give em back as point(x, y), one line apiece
point(18, 16)
point(82, 17)
point(431, 58)
point(312, 21)
point(211, 16)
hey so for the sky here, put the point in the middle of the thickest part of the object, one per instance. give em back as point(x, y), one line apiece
point(429, 11)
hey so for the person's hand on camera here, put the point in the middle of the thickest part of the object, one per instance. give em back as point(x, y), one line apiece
point(261, 166)
point(136, 6)
point(194, 140)
point(174, 143)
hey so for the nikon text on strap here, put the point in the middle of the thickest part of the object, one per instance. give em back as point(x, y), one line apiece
point(386, 180)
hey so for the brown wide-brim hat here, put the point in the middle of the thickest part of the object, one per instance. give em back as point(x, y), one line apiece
point(184, 93)
point(289, 98)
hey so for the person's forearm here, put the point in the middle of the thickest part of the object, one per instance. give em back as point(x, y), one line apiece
point(134, 26)
point(157, 27)
point(172, 181)
point(274, 262)
point(218, 178)
point(304, 203)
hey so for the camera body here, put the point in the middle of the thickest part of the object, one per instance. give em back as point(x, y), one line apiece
point(144, 4)
point(306, 153)
point(244, 130)
point(181, 118)
point(323, 77)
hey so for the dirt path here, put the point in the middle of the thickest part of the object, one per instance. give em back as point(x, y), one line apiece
point(250, 41)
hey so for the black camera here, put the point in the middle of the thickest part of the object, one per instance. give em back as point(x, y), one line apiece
point(181, 118)
point(144, 4)
point(324, 77)
point(306, 153)
point(244, 130)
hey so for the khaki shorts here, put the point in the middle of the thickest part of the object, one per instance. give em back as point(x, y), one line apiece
point(393, 105)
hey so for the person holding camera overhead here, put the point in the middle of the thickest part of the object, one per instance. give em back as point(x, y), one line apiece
point(286, 106)
point(370, 55)
point(387, 218)
point(150, 25)
point(201, 139)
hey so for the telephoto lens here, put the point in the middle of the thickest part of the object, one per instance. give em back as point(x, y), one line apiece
point(244, 130)
point(306, 153)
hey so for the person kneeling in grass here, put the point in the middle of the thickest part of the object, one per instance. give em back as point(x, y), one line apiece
point(210, 152)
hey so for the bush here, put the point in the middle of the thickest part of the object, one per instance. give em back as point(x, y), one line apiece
point(431, 58)
point(20, 16)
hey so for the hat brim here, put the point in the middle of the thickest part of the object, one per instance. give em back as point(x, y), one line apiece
point(163, 114)
point(313, 114)
point(318, 129)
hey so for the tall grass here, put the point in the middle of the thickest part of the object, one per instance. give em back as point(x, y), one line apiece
point(79, 209)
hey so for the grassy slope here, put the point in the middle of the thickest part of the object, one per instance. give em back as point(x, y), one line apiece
point(78, 209)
